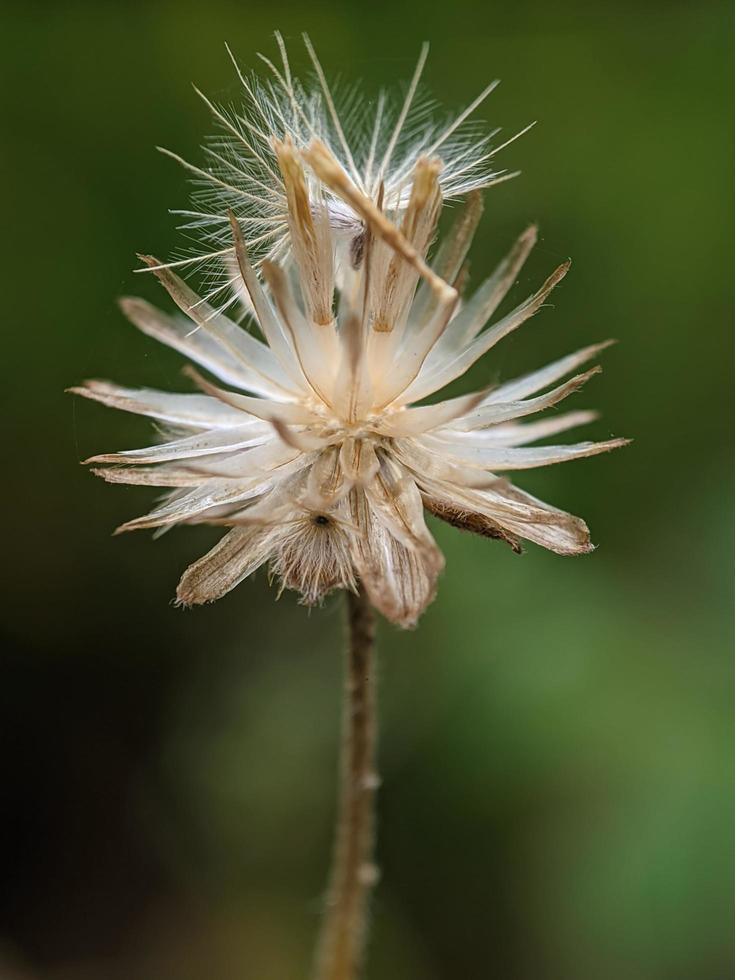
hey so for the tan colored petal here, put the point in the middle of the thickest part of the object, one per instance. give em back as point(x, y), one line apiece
point(400, 581)
point(393, 279)
point(467, 520)
point(325, 481)
point(394, 553)
point(239, 553)
point(517, 514)
point(358, 461)
point(450, 257)
point(311, 239)
point(395, 500)
point(159, 476)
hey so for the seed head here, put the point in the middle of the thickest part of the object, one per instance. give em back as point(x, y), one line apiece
point(312, 449)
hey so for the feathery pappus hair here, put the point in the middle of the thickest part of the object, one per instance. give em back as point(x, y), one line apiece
point(376, 142)
point(312, 447)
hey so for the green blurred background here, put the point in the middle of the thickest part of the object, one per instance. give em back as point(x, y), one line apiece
point(558, 737)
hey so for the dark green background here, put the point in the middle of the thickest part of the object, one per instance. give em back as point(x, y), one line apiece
point(558, 737)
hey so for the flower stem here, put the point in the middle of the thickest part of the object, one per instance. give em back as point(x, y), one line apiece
point(342, 940)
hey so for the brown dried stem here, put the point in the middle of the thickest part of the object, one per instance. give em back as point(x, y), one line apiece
point(342, 940)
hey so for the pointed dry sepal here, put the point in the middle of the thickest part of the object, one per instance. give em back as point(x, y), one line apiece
point(453, 251)
point(393, 279)
point(450, 262)
point(239, 553)
point(311, 240)
point(480, 307)
point(494, 290)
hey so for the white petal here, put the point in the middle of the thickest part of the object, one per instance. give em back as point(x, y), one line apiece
point(397, 373)
point(299, 439)
point(529, 384)
point(217, 493)
point(205, 443)
point(184, 507)
point(425, 463)
point(195, 411)
point(352, 388)
point(159, 476)
point(488, 297)
point(499, 458)
point(487, 415)
point(414, 421)
point(273, 330)
point(520, 434)
point(266, 376)
point(270, 458)
point(316, 345)
point(261, 408)
point(441, 367)
point(180, 334)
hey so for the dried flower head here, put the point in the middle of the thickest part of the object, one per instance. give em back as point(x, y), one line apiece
point(315, 455)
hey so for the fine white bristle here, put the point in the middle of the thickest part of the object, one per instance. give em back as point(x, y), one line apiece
point(378, 142)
